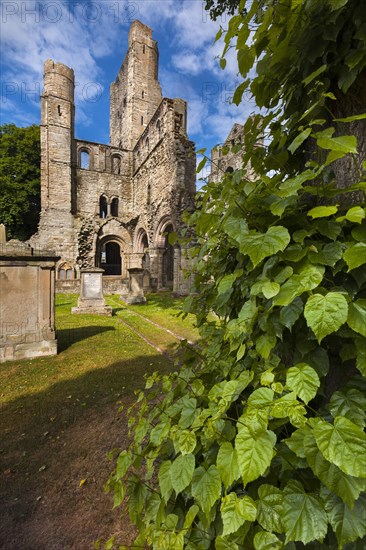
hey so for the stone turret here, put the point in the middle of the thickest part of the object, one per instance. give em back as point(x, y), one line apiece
point(136, 92)
point(57, 133)
point(58, 161)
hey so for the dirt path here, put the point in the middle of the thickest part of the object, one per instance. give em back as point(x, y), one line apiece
point(43, 506)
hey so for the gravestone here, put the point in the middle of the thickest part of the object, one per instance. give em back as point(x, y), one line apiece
point(91, 299)
point(135, 292)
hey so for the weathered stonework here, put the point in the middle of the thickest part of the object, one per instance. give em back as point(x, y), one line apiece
point(103, 203)
point(232, 159)
point(27, 286)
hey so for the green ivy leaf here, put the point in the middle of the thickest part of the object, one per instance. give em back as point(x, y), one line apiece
point(255, 452)
point(270, 289)
point(303, 380)
point(190, 515)
point(165, 480)
point(290, 314)
point(206, 487)
point(322, 211)
point(355, 255)
point(266, 541)
point(227, 464)
point(222, 543)
point(181, 472)
point(345, 144)
point(350, 404)
point(304, 517)
point(326, 314)
point(308, 279)
point(264, 345)
point(361, 356)
point(187, 442)
point(345, 486)
point(348, 525)
point(270, 510)
point(235, 511)
point(342, 444)
point(299, 140)
point(357, 316)
point(355, 214)
point(260, 246)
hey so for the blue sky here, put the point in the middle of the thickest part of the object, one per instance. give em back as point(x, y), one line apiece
point(91, 37)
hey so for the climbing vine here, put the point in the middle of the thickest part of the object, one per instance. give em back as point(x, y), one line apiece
point(257, 441)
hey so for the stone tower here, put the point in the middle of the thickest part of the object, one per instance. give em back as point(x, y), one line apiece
point(136, 92)
point(57, 156)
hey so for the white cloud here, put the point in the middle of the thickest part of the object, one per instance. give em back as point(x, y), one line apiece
point(187, 63)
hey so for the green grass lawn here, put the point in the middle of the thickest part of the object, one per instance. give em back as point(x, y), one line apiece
point(99, 359)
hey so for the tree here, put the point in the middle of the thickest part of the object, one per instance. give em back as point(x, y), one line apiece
point(20, 180)
point(257, 441)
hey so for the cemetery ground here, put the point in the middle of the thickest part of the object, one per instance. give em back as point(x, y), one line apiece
point(61, 415)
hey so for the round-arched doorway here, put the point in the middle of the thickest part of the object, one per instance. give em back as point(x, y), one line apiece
point(110, 258)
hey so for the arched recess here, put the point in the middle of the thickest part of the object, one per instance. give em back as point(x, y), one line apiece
point(109, 255)
point(103, 206)
point(84, 158)
point(114, 207)
point(141, 247)
point(113, 231)
point(162, 241)
point(65, 272)
point(116, 164)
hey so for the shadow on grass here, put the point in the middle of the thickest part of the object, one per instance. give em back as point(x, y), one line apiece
point(26, 418)
point(66, 337)
point(165, 300)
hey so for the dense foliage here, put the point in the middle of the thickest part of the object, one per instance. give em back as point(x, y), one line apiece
point(257, 441)
point(20, 155)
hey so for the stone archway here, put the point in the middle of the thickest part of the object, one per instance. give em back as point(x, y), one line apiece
point(166, 254)
point(111, 260)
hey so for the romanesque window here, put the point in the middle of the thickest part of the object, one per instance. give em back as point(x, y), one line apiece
point(84, 159)
point(142, 94)
point(61, 274)
point(69, 274)
point(114, 207)
point(116, 164)
point(103, 210)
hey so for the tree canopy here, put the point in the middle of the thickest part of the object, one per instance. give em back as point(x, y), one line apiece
point(19, 180)
point(257, 441)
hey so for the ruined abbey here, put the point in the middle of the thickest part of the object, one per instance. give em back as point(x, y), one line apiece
point(113, 206)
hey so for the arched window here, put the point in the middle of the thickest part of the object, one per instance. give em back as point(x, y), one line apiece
point(84, 159)
point(116, 164)
point(69, 274)
point(103, 211)
point(114, 207)
point(61, 274)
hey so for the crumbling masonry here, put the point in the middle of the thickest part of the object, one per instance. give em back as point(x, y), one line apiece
point(113, 206)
